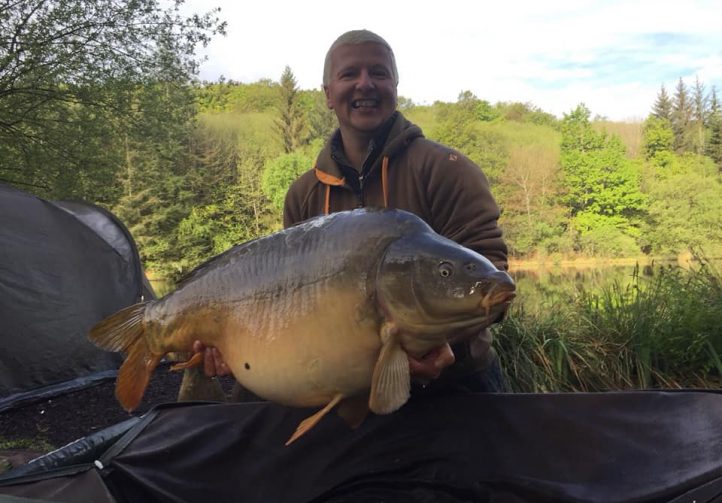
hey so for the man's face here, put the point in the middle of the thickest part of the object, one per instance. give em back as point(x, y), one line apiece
point(361, 89)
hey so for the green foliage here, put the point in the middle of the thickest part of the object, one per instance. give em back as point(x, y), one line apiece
point(602, 187)
point(320, 120)
point(230, 96)
point(69, 75)
point(658, 137)
point(279, 174)
point(685, 205)
point(714, 120)
point(463, 126)
point(526, 112)
point(290, 124)
point(606, 236)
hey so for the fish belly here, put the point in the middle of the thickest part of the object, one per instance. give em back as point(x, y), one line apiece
point(306, 348)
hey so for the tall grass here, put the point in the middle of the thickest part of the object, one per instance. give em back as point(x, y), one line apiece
point(658, 332)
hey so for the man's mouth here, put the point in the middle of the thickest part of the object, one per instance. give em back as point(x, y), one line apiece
point(366, 103)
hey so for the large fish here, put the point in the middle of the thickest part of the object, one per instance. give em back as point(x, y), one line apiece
point(320, 314)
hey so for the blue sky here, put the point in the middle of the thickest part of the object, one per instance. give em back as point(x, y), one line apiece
point(611, 55)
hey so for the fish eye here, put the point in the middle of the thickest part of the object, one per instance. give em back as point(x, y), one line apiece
point(445, 269)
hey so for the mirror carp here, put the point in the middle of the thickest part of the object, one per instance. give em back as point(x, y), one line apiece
point(324, 313)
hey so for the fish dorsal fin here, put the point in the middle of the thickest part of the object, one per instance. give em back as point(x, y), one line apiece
point(354, 410)
point(391, 382)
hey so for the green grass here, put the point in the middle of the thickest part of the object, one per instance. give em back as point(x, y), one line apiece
point(35, 444)
point(658, 332)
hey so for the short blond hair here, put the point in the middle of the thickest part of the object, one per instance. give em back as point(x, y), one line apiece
point(357, 37)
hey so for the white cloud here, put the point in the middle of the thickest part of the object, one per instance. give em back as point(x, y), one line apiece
point(612, 55)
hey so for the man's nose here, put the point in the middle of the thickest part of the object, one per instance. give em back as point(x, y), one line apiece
point(364, 80)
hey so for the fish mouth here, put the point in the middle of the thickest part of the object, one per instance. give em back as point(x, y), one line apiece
point(498, 296)
point(365, 103)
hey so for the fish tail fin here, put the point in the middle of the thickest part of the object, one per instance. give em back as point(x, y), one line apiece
point(124, 331)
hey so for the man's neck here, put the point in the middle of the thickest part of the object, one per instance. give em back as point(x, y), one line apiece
point(356, 148)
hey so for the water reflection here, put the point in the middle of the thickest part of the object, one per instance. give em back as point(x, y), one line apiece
point(541, 288)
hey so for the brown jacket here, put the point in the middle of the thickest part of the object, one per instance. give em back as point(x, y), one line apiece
point(409, 172)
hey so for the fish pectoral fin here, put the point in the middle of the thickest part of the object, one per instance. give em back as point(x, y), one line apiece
point(193, 361)
point(354, 410)
point(391, 382)
point(311, 421)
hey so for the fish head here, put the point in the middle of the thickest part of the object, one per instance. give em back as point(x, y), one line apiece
point(428, 284)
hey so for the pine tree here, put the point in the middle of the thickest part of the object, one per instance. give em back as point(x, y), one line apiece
point(699, 103)
point(699, 118)
point(714, 145)
point(290, 125)
point(682, 119)
point(663, 106)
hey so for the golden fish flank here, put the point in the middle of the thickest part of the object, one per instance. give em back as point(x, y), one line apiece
point(322, 314)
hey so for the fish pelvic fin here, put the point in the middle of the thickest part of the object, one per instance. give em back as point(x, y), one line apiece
point(196, 385)
point(313, 420)
point(354, 410)
point(124, 331)
point(391, 381)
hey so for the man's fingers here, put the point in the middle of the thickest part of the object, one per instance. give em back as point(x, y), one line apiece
point(209, 362)
point(445, 357)
point(221, 367)
point(431, 364)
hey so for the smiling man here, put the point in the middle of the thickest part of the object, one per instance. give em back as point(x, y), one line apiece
point(378, 158)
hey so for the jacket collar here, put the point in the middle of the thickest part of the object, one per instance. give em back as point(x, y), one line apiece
point(332, 168)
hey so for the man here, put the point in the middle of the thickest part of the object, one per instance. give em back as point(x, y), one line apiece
point(377, 158)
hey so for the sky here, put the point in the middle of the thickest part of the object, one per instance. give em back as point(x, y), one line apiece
point(613, 56)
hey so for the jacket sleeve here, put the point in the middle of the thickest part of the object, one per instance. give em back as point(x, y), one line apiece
point(463, 209)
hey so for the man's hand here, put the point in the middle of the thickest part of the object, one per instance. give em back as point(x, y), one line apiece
point(213, 363)
point(429, 366)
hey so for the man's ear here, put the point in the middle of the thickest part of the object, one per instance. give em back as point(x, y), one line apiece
point(329, 104)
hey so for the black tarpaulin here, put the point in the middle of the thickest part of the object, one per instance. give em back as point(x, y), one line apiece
point(58, 277)
point(605, 447)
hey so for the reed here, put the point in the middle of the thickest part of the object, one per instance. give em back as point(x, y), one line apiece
point(658, 332)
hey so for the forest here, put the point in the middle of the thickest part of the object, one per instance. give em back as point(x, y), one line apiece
point(100, 101)
point(194, 167)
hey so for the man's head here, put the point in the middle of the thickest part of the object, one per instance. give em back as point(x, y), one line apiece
point(360, 79)
point(356, 37)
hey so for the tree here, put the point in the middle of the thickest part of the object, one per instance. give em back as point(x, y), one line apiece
point(682, 119)
point(685, 207)
point(532, 222)
point(714, 145)
point(658, 137)
point(699, 118)
point(662, 108)
point(290, 124)
point(602, 187)
point(459, 126)
point(320, 119)
point(279, 174)
point(71, 69)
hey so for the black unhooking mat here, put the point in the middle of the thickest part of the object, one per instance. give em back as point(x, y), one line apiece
point(604, 447)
